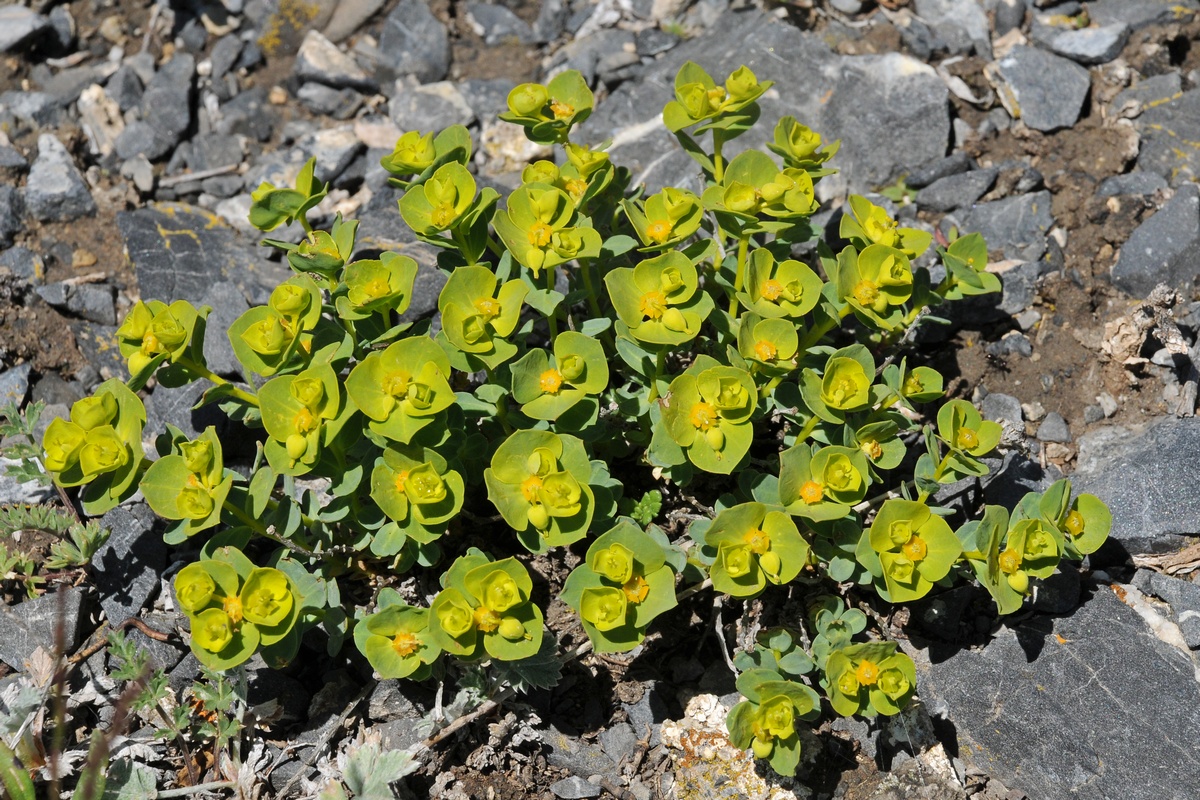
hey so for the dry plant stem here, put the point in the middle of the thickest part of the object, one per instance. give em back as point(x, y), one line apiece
point(324, 741)
point(184, 791)
point(175, 180)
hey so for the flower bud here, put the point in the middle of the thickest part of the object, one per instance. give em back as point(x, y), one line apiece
point(512, 629)
point(539, 517)
point(297, 446)
point(92, 412)
point(1019, 581)
point(528, 100)
point(715, 438)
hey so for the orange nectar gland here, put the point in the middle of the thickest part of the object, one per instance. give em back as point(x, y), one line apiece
point(866, 293)
point(561, 110)
point(772, 290)
point(1075, 523)
point(401, 477)
point(636, 589)
point(443, 215)
point(405, 644)
point(873, 450)
point(867, 673)
point(540, 234)
point(811, 492)
point(658, 231)
point(395, 384)
point(765, 351)
point(758, 541)
point(653, 305)
point(304, 421)
point(1010, 561)
point(488, 307)
point(530, 488)
point(915, 548)
point(149, 343)
point(966, 438)
point(576, 187)
point(486, 619)
point(550, 381)
point(376, 288)
point(233, 609)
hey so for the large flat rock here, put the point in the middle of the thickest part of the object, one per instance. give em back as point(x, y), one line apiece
point(180, 251)
point(1150, 479)
point(1092, 706)
point(863, 100)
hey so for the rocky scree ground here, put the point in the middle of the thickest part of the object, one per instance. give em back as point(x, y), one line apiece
point(1065, 132)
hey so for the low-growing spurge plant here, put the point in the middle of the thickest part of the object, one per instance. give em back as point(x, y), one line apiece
point(603, 359)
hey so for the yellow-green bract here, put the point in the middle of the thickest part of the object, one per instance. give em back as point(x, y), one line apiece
point(754, 547)
point(916, 548)
point(765, 721)
point(486, 603)
point(623, 584)
point(869, 679)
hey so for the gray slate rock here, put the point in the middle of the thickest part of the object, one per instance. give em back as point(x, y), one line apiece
point(55, 191)
point(336, 103)
point(20, 26)
point(12, 208)
point(11, 158)
point(1136, 182)
point(575, 755)
point(953, 164)
point(224, 55)
point(415, 42)
point(13, 492)
point(1182, 595)
point(248, 114)
point(320, 60)
point(434, 106)
point(653, 41)
point(1009, 14)
point(1043, 90)
point(487, 97)
point(176, 406)
point(1162, 127)
point(1137, 13)
point(497, 25)
point(213, 150)
point(24, 263)
point(127, 567)
point(1054, 429)
point(180, 251)
point(998, 406)
point(35, 109)
point(961, 24)
point(125, 87)
point(94, 303)
point(860, 92)
point(349, 17)
point(574, 788)
point(227, 303)
point(1113, 714)
point(166, 111)
point(1164, 248)
point(599, 55)
point(333, 148)
point(37, 623)
point(1149, 478)
point(1015, 226)
point(1148, 92)
point(14, 384)
point(956, 191)
point(1089, 45)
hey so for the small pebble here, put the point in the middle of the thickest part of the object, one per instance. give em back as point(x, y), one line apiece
point(1054, 429)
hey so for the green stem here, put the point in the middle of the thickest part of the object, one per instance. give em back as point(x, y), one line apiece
point(262, 530)
point(808, 428)
point(552, 317)
point(205, 372)
point(501, 404)
point(740, 276)
point(718, 162)
point(659, 365)
point(585, 267)
point(304, 223)
point(769, 387)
